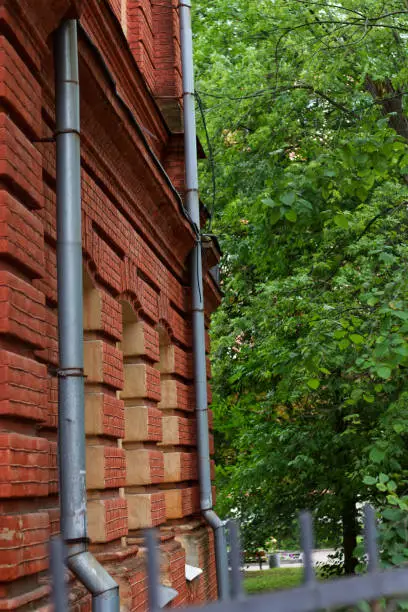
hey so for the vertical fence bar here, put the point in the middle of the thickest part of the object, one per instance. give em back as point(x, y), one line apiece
point(152, 569)
point(370, 538)
point(306, 539)
point(235, 555)
point(57, 571)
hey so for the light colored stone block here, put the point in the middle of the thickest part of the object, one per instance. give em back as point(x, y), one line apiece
point(93, 360)
point(92, 311)
point(133, 344)
point(168, 395)
point(137, 467)
point(145, 510)
point(135, 381)
point(96, 520)
point(170, 431)
point(136, 423)
point(166, 364)
point(172, 467)
point(174, 503)
point(139, 509)
point(95, 467)
point(93, 413)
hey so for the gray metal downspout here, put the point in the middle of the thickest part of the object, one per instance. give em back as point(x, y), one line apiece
point(200, 372)
point(71, 427)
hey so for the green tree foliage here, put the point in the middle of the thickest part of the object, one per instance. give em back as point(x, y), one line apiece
point(308, 161)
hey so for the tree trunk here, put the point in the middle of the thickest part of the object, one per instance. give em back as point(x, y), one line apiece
point(390, 100)
point(350, 533)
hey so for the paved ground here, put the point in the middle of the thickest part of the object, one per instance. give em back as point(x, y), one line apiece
point(319, 556)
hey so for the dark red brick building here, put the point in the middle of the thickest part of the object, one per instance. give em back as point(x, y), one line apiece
point(139, 399)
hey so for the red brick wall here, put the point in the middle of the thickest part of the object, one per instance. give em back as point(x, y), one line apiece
point(136, 244)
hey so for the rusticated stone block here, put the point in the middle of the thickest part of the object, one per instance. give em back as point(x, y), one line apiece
point(174, 360)
point(176, 396)
point(181, 502)
point(140, 340)
point(102, 313)
point(146, 509)
point(104, 415)
point(178, 431)
point(107, 519)
point(141, 381)
point(103, 363)
point(143, 467)
point(22, 387)
point(143, 424)
point(105, 467)
point(180, 466)
point(23, 465)
point(23, 544)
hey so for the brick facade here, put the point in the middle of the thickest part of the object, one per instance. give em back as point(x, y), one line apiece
point(139, 394)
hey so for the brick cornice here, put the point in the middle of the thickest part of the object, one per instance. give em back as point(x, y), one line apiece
point(100, 23)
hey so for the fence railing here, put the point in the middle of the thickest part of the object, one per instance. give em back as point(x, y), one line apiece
point(313, 595)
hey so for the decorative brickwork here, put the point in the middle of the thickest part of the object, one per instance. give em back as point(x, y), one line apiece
point(141, 467)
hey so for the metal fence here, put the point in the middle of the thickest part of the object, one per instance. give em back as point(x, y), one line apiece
point(379, 586)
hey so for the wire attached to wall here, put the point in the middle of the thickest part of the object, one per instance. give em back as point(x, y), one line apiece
point(210, 156)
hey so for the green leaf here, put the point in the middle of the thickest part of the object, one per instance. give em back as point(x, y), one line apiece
point(398, 559)
point(383, 372)
point(341, 221)
point(357, 339)
point(376, 455)
point(313, 383)
point(369, 480)
point(269, 202)
point(324, 371)
point(288, 198)
point(392, 514)
point(291, 215)
point(274, 216)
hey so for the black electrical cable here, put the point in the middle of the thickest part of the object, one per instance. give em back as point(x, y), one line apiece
point(139, 129)
point(210, 156)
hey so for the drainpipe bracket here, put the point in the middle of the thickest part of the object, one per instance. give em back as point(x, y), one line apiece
point(67, 131)
point(70, 372)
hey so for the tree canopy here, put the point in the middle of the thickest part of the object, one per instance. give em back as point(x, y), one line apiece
point(303, 117)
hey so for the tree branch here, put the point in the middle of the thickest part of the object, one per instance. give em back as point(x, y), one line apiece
point(279, 90)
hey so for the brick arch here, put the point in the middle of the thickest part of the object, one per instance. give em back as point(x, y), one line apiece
point(131, 304)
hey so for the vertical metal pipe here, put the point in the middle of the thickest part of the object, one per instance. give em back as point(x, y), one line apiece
point(198, 323)
point(57, 570)
point(71, 426)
